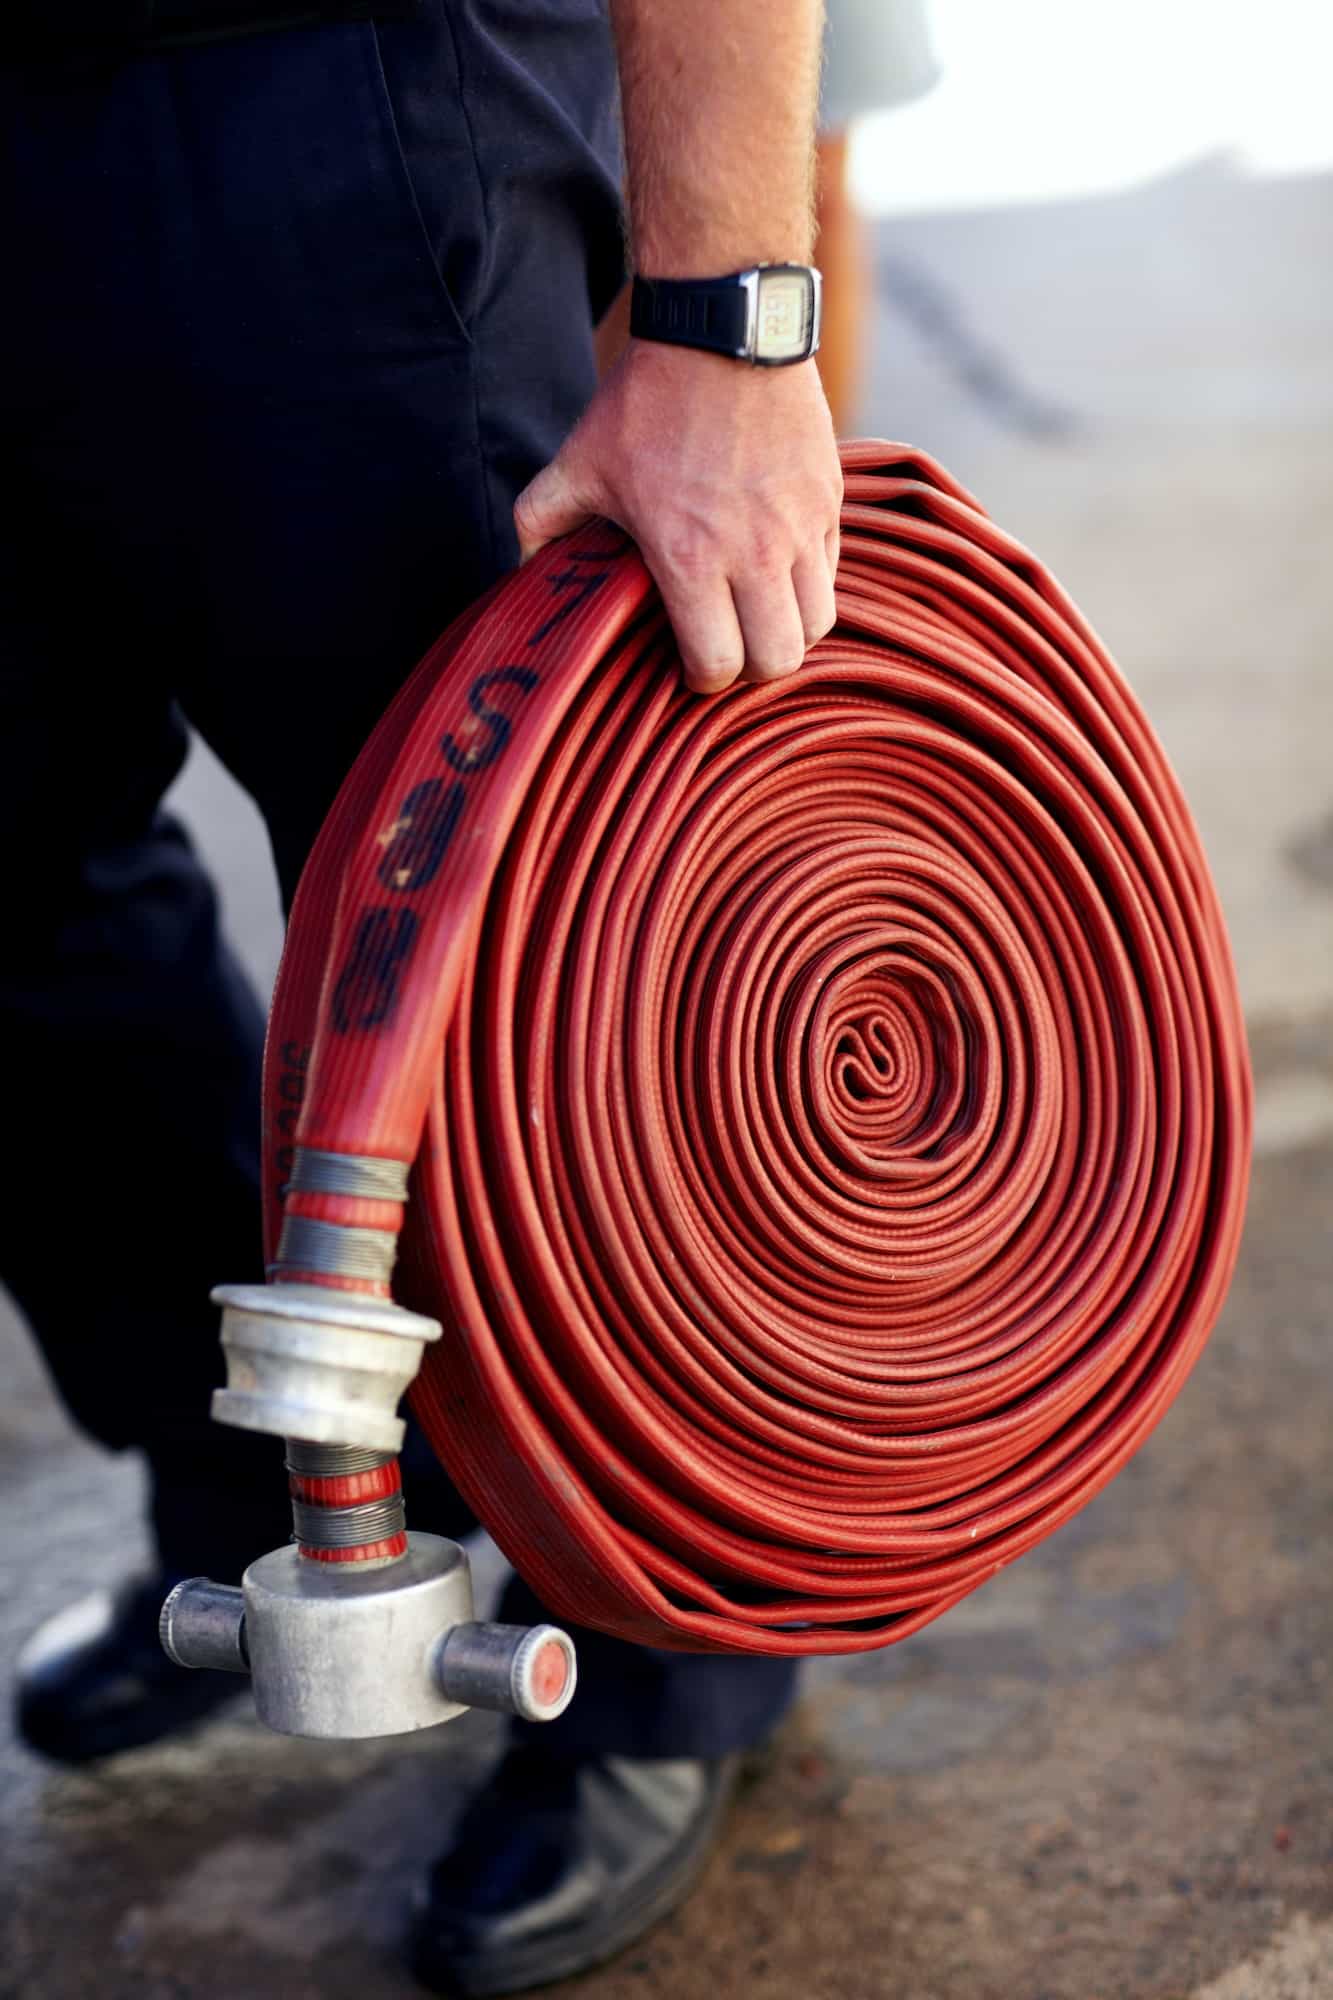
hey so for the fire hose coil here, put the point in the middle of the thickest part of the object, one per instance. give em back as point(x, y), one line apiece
point(827, 1105)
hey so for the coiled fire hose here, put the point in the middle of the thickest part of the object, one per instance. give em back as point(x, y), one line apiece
point(827, 1106)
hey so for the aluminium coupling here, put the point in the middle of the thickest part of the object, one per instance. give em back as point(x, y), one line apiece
point(310, 1362)
point(342, 1651)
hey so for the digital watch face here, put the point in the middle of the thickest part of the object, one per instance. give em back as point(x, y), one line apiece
point(787, 320)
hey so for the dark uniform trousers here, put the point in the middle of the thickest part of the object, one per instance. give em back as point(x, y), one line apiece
point(290, 319)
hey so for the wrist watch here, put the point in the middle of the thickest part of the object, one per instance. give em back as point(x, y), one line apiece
point(768, 315)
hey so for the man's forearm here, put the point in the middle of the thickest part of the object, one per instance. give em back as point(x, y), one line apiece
point(719, 105)
point(727, 476)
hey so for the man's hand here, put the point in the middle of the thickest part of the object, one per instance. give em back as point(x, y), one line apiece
point(727, 477)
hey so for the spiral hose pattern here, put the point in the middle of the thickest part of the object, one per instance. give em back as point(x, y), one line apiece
point(829, 1102)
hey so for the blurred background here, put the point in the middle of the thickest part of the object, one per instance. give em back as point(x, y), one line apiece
point(1100, 288)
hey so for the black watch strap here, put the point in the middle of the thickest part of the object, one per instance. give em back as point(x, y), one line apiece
point(713, 313)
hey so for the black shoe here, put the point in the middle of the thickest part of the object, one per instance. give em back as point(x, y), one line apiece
point(558, 1865)
point(94, 1678)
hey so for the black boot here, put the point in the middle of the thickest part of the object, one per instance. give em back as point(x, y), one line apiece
point(559, 1864)
point(94, 1679)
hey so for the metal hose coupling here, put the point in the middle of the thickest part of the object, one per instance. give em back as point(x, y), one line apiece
point(305, 1361)
point(320, 1352)
point(357, 1627)
point(350, 1650)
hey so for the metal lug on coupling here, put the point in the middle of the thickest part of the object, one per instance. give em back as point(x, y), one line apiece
point(525, 1670)
point(202, 1624)
point(310, 1362)
point(345, 1650)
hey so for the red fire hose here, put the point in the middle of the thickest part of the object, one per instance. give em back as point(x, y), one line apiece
point(829, 1103)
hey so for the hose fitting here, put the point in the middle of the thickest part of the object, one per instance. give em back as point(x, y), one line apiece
point(310, 1362)
point(342, 1651)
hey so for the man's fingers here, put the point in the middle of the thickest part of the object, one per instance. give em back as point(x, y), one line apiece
point(770, 624)
point(551, 504)
point(708, 633)
point(814, 593)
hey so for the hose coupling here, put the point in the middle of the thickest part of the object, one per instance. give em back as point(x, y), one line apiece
point(343, 1651)
point(311, 1362)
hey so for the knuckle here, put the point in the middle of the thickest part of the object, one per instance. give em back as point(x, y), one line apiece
point(820, 486)
point(688, 553)
point(769, 554)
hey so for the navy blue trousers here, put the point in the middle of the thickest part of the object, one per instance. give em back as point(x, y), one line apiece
point(290, 320)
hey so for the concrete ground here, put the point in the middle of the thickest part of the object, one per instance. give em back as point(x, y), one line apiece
point(1108, 1775)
